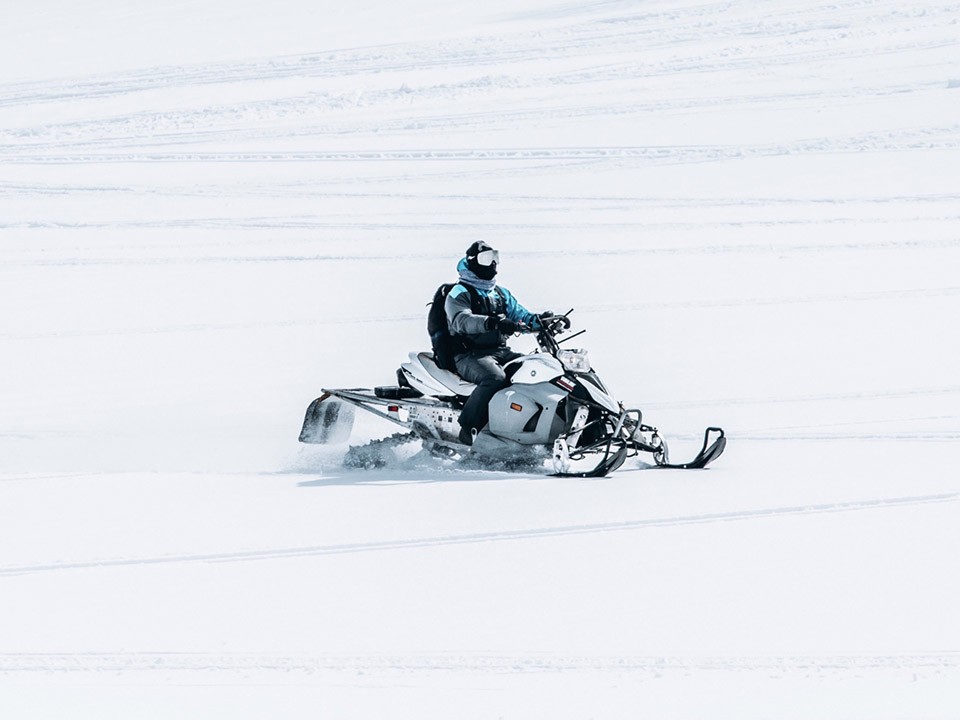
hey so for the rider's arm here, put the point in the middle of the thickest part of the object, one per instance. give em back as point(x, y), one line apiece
point(460, 317)
point(518, 313)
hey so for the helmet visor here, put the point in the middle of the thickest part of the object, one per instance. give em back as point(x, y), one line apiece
point(488, 258)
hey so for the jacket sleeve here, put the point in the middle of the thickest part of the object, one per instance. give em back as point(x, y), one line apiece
point(518, 313)
point(460, 317)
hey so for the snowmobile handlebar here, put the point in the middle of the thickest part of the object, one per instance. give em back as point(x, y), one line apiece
point(550, 327)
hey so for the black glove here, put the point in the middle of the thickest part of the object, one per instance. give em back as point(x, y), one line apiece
point(548, 318)
point(505, 326)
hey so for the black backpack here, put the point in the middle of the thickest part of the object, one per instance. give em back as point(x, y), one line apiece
point(446, 346)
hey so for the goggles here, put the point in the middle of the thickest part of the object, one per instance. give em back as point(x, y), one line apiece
point(488, 257)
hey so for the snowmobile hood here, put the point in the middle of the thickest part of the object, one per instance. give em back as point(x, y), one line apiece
point(599, 396)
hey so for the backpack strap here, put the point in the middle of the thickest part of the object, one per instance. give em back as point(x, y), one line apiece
point(477, 304)
point(475, 299)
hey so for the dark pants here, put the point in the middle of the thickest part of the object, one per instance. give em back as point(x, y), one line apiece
point(485, 369)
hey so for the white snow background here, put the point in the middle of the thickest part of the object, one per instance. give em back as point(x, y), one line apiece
point(209, 210)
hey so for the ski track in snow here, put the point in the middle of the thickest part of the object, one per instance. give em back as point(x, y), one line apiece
point(831, 33)
point(808, 35)
point(473, 538)
point(926, 138)
point(926, 664)
point(124, 131)
point(316, 189)
point(318, 223)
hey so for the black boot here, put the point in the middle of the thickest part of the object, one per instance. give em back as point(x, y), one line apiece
point(466, 435)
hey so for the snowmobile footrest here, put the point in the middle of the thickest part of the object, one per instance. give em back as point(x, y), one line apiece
point(393, 392)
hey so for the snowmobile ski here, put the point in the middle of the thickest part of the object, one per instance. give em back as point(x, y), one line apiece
point(708, 453)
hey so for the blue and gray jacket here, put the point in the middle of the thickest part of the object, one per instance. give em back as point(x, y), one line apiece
point(469, 323)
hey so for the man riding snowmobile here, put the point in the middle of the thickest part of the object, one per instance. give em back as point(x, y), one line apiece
point(547, 405)
point(481, 315)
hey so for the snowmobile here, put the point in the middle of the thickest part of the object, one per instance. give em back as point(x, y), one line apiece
point(555, 409)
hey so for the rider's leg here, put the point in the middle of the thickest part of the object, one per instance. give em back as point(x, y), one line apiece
point(486, 373)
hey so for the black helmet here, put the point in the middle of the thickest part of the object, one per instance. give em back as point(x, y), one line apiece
point(482, 260)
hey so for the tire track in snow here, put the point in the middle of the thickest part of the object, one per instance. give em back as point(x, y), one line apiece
point(487, 537)
point(220, 662)
point(810, 35)
point(320, 190)
point(908, 139)
point(326, 222)
point(219, 124)
point(135, 126)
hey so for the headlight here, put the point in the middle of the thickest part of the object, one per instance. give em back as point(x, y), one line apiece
point(574, 360)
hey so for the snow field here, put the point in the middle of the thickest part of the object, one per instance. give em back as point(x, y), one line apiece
point(207, 216)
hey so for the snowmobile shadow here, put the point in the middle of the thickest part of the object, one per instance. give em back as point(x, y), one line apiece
point(425, 468)
point(346, 477)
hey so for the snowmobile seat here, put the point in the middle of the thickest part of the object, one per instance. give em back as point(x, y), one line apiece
point(450, 380)
point(423, 374)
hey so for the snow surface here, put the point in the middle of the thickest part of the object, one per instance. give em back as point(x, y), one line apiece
point(210, 210)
